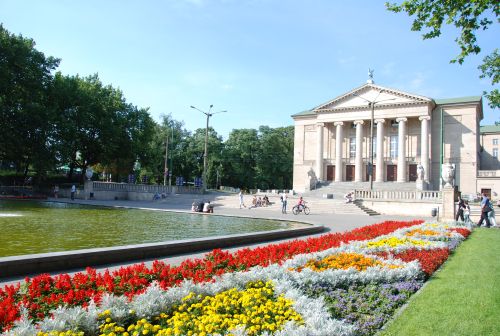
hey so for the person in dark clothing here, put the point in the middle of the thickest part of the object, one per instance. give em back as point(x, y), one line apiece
point(460, 211)
point(485, 208)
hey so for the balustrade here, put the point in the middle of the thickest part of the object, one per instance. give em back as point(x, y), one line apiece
point(398, 195)
point(142, 188)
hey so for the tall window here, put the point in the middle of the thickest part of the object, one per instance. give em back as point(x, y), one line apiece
point(495, 152)
point(495, 141)
point(352, 147)
point(394, 146)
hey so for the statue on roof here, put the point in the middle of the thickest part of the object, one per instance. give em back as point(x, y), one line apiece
point(370, 76)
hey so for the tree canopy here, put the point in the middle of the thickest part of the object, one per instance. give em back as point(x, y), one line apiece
point(49, 120)
point(470, 17)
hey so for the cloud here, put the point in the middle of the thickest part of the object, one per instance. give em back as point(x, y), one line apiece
point(388, 69)
point(418, 81)
point(346, 60)
point(198, 3)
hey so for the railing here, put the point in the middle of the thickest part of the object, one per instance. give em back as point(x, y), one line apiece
point(145, 188)
point(488, 173)
point(392, 195)
point(15, 190)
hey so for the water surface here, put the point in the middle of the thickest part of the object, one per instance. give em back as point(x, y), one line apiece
point(28, 227)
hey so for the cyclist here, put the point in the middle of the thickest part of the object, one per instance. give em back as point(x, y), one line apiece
point(301, 204)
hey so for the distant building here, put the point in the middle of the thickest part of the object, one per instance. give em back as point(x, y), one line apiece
point(490, 145)
point(332, 140)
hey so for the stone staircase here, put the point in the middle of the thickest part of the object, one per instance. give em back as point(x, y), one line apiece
point(368, 211)
point(316, 204)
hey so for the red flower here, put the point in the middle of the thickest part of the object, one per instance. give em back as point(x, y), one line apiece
point(45, 292)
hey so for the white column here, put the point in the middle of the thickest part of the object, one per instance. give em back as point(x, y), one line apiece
point(424, 145)
point(358, 169)
point(339, 139)
point(379, 174)
point(401, 149)
point(319, 153)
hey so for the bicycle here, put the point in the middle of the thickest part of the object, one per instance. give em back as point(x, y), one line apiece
point(298, 209)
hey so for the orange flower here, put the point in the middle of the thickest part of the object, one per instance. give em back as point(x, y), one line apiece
point(344, 261)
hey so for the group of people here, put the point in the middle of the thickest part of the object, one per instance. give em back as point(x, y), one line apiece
point(205, 207)
point(487, 212)
point(264, 201)
point(260, 201)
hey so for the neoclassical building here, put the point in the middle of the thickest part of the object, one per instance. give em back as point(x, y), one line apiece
point(333, 140)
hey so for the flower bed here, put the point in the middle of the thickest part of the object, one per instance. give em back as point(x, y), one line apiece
point(44, 292)
point(297, 290)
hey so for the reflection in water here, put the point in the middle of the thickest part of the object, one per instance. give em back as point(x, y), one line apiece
point(39, 227)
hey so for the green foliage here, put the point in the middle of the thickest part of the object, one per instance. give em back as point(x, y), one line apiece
point(96, 125)
point(470, 17)
point(240, 162)
point(25, 122)
point(48, 120)
point(491, 68)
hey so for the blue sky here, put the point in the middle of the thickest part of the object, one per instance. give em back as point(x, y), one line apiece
point(261, 60)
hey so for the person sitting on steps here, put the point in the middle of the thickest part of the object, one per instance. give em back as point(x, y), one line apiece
point(349, 197)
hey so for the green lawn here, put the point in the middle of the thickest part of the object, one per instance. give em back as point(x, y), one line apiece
point(463, 297)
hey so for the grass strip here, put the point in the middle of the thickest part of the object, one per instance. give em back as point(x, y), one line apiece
point(463, 298)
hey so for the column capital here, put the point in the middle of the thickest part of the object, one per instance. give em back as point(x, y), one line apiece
point(401, 119)
point(424, 118)
point(359, 122)
point(320, 124)
point(379, 121)
point(339, 123)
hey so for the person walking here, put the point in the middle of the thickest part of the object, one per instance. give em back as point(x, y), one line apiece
point(240, 195)
point(284, 200)
point(73, 191)
point(485, 208)
point(467, 219)
point(460, 210)
point(491, 215)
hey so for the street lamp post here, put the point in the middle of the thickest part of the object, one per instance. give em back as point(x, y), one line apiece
point(371, 104)
point(205, 156)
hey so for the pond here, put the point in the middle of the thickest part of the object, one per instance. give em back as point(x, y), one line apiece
point(28, 227)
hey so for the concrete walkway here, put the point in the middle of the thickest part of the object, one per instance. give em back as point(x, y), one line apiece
point(228, 205)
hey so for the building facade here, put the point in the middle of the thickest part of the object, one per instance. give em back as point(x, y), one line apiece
point(411, 134)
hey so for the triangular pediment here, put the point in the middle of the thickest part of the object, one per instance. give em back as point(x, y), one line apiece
point(362, 96)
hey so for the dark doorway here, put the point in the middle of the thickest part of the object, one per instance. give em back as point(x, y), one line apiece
point(368, 172)
point(412, 170)
point(330, 173)
point(349, 172)
point(392, 173)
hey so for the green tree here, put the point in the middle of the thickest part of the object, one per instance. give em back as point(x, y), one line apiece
point(240, 158)
point(275, 157)
point(176, 134)
point(192, 152)
point(25, 120)
point(96, 125)
point(469, 17)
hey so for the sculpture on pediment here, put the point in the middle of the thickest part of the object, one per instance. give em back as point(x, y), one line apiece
point(370, 76)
